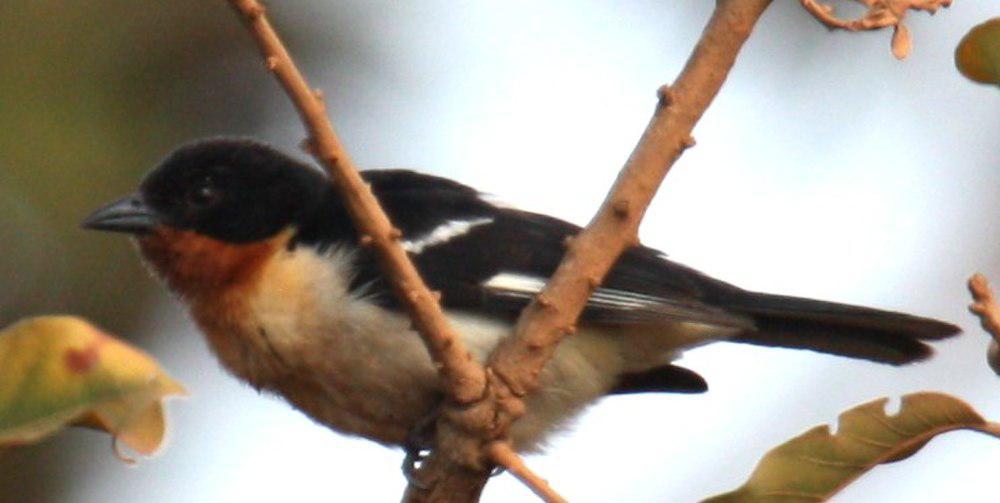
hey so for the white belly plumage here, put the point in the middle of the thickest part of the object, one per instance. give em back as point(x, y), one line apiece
point(361, 369)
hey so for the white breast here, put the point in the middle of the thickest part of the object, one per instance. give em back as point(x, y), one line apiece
point(360, 369)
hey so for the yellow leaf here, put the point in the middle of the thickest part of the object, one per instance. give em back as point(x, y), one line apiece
point(60, 370)
point(817, 464)
point(978, 54)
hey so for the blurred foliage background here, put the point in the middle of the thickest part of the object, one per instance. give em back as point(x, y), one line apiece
point(90, 94)
point(856, 178)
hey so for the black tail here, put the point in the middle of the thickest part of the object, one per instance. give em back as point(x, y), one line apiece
point(840, 329)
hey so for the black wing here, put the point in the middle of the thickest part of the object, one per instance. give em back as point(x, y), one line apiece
point(493, 260)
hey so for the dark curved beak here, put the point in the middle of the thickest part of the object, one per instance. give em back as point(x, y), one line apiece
point(129, 214)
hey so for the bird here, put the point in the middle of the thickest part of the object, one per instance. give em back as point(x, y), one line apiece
point(261, 249)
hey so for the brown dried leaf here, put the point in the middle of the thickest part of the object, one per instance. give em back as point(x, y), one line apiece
point(902, 43)
point(815, 465)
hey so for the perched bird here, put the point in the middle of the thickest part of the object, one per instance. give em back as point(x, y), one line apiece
point(261, 249)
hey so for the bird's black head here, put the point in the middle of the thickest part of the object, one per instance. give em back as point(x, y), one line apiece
point(232, 190)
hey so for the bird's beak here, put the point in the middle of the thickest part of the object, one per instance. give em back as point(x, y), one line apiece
point(129, 214)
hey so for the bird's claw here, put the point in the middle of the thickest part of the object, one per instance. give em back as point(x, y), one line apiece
point(417, 447)
point(411, 463)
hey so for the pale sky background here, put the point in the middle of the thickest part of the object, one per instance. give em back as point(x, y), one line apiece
point(826, 168)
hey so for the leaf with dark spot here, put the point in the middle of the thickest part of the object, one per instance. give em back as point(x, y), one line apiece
point(57, 371)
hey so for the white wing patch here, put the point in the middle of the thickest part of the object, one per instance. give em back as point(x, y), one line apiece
point(631, 305)
point(443, 233)
point(526, 286)
point(515, 283)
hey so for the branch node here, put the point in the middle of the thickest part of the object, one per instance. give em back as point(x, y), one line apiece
point(543, 300)
point(366, 240)
point(255, 11)
point(665, 94)
point(272, 62)
point(688, 142)
point(621, 208)
point(395, 233)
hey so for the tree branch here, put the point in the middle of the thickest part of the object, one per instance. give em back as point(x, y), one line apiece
point(503, 455)
point(463, 376)
point(985, 307)
point(614, 228)
point(518, 361)
point(472, 429)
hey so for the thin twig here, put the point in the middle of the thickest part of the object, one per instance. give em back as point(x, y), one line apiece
point(518, 361)
point(986, 308)
point(880, 14)
point(503, 455)
point(464, 377)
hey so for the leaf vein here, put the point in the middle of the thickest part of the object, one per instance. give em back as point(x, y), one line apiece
point(832, 462)
point(866, 440)
point(884, 421)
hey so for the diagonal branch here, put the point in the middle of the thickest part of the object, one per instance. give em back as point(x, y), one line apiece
point(503, 454)
point(518, 361)
point(463, 376)
point(615, 226)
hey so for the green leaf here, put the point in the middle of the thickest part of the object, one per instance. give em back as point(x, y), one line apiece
point(60, 370)
point(978, 54)
point(815, 465)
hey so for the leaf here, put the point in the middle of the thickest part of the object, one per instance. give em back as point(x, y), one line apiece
point(60, 370)
point(816, 464)
point(978, 54)
point(902, 43)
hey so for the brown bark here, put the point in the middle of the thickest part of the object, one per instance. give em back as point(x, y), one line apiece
point(484, 403)
point(464, 376)
point(518, 361)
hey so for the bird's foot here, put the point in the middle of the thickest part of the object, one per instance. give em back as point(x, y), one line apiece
point(417, 446)
point(411, 464)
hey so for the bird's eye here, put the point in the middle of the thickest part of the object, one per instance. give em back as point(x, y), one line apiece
point(204, 194)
